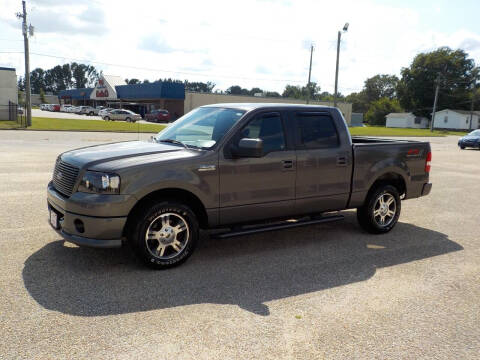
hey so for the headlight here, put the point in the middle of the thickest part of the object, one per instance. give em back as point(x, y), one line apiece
point(99, 183)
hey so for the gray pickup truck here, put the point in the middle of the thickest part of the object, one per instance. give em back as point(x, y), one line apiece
point(244, 168)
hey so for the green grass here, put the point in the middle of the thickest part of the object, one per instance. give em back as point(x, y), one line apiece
point(383, 131)
point(9, 125)
point(40, 123)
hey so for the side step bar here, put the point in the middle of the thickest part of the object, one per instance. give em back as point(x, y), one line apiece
point(283, 225)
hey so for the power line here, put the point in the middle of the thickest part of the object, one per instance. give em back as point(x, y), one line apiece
point(153, 69)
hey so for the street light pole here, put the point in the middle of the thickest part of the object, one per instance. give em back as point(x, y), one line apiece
point(335, 95)
point(309, 74)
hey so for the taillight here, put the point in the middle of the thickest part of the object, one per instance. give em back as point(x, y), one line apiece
point(428, 162)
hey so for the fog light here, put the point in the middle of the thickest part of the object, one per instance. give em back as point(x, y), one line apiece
point(79, 226)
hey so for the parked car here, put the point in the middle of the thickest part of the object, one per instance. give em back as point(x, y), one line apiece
point(44, 107)
point(226, 166)
point(471, 140)
point(158, 115)
point(55, 107)
point(104, 111)
point(122, 114)
point(87, 110)
point(65, 107)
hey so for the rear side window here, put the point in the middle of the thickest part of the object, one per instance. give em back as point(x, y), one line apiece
point(315, 131)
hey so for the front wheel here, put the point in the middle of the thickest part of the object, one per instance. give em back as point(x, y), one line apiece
point(165, 234)
point(128, 119)
point(381, 210)
point(106, 118)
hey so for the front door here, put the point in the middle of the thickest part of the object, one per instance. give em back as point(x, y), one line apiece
point(258, 188)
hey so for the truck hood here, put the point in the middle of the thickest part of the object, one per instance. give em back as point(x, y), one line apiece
point(130, 150)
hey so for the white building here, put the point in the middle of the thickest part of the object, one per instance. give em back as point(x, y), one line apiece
point(456, 119)
point(8, 90)
point(406, 120)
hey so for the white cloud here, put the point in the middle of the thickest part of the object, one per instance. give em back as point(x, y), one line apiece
point(249, 43)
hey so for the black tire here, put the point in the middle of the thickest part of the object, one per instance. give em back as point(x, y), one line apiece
point(462, 147)
point(128, 119)
point(106, 118)
point(366, 214)
point(90, 113)
point(153, 218)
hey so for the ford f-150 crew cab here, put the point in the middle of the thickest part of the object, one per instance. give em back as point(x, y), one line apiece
point(242, 167)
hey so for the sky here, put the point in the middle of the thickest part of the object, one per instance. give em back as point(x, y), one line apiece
point(262, 43)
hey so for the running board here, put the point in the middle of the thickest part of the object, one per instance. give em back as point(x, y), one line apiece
point(284, 225)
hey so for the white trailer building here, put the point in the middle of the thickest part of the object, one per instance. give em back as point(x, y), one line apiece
point(456, 119)
point(406, 120)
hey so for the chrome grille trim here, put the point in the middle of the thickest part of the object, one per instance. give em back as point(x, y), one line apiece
point(64, 177)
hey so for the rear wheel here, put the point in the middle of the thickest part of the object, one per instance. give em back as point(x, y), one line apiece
point(106, 118)
point(90, 113)
point(381, 210)
point(462, 147)
point(165, 234)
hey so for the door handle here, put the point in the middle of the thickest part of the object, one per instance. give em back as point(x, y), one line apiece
point(341, 160)
point(287, 164)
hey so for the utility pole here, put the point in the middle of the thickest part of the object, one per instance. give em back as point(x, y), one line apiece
point(471, 108)
point(435, 102)
point(25, 31)
point(309, 74)
point(335, 95)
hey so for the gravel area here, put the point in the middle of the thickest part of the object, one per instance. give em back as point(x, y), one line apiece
point(326, 291)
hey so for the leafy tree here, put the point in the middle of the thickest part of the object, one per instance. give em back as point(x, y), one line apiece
point(272, 94)
point(83, 75)
point(237, 90)
point(21, 83)
point(380, 108)
point(379, 86)
point(132, 81)
point(301, 92)
point(37, 80)
point(359, 101)
point(198, 86)
point(455, 71)
point(42, 96)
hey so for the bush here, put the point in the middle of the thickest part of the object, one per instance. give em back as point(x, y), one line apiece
point(380, 108)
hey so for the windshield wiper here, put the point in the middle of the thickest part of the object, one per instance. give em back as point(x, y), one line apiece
point(173, 141)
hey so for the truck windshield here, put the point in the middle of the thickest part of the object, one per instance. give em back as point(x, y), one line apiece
point(202, 127)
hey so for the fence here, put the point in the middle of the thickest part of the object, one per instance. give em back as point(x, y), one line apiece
point(13, 112)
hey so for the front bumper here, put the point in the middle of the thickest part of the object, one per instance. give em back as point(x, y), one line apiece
point(94, 231)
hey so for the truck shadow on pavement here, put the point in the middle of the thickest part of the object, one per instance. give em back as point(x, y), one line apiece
point(246, 271)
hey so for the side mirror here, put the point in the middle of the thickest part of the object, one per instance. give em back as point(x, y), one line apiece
point(248, 148)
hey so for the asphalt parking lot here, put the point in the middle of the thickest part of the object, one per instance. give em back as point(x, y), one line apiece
point(326, 291)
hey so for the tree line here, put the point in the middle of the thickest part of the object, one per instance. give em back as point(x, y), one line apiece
point(453, 70)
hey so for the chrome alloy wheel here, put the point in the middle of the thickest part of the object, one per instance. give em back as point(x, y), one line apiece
point(385, 209)
point(167, 235)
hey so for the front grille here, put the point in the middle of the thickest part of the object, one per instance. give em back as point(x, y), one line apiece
point(64, 177)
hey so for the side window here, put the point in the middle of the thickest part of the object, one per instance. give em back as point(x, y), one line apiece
point(316, 131)
point(268, 128)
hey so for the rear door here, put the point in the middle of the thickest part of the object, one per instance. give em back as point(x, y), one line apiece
point(258, 188)
point(323, 163)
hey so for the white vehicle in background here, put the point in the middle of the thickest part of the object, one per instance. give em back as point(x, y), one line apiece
point(43, 107)
point(105, 111)
point(88, 110)
point(122, 114)
point(65, 107)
